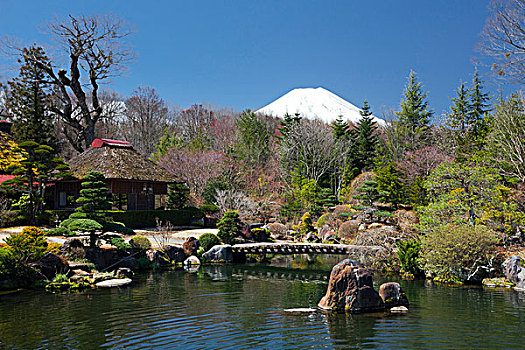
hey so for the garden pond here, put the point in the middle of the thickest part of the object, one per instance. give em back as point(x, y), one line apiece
point(242, 307)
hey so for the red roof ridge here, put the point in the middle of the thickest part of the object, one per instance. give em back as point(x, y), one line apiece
point(97, 143)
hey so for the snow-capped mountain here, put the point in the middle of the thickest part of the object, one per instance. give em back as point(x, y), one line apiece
point(314, 103)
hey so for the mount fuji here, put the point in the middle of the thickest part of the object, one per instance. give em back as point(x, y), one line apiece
point(314, 103)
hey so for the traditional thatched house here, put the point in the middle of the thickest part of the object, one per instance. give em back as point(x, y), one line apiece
point(135, 182)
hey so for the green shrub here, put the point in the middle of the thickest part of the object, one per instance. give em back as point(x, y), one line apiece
point(66, 223)
point(28, 245)
point(118, 227)
point(60, 231)
point(230, 227)
point(408, 253)
point(85, 225)
point(146, 218)
point(208, 240)
point(144, 263)
point(260, 234)
point(209, 209)
point(306, 226)
point(120, 243)
point(452, 252)
point(140, 243)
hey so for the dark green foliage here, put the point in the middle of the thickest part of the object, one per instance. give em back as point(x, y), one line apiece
point(144, 263)
point(140, 243)
point(415, 116)
point(366, 139)
point(146, 218)
point(59, 231)
point(253, 140)
point(417, 194)
point(209, 209)
point(390, 186)
point(369, 193)
point(95, 197)
point(178, 196)
point(287, 123)
point(479, 109)
point(120, 243)
point(208, 240)
point(230, 227)
point(340, 128)
point(408, 253)
point(29, 100)
point(118, 227)
point(66, 223)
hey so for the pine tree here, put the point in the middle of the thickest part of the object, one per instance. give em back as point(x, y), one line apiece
point(458, 118)
point(253, 146)
point(340, 128)
point(29, 101)
point(389, 182)
point(366, 139)
point(178, 196)
point(286, 124)
point(95, 200)
point(415, 114)
point(478, 109)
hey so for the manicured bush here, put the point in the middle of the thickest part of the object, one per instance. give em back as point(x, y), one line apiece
point(325, 219)
point(66, 223)
point(306, 226)
point(118, 227)
point(28, 245)
point(85, 225)
point(209, 209)
point(60, 231)
point(452, 252)
point(140, 243)
point(208, 240)
point(230, 227)
point(146, 218)
point(408, 253)
point(120, 243)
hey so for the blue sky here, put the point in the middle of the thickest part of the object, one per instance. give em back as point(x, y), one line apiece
point(245, 54)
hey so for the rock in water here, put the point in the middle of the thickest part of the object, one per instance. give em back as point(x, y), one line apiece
point(399, 310)
point(300, 311)
point(116, 282)
point(190, 246)
point(50, 265)
point(514, 270)
point(393, 295)
point(192, 261)
point(351, 289)
point(219, 253)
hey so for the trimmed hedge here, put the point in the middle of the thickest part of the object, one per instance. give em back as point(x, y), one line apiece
point(146, 218)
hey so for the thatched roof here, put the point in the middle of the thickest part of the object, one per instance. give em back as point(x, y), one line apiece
point(118, 160)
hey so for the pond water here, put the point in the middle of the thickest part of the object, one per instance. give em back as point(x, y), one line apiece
point(241, 307)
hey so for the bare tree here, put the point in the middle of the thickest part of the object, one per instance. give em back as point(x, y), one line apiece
point(228, 200)
point(504, 38)
point(95, 46)
point(147, 118)
point(506, 143)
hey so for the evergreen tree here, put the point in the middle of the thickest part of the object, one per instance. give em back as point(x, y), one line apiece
point(288, 121)
point(389, 182)
point(253, 146)
point(36, 169)
point(458, 118)
point(178, 196)
point(29, 101)
point(415, 115)
point(478, 109)
point(366, 139)
point(340, 128)
point(95, 200)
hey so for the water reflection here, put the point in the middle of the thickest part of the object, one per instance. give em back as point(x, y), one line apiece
point(241, 306)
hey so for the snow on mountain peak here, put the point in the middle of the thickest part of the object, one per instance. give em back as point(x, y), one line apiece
point(314, 103)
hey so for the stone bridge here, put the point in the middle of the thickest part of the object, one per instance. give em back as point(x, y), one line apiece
point(286, 248)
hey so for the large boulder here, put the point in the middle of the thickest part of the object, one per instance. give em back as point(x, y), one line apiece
point(158, 257)
point(190, 246)
point(50, 265)
point(192, 261)
point(175, 253)
point(102, 257)
point(351, 289)
point(514, 270)
point(393, 295)
point(128, 262)
point(219, 253)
